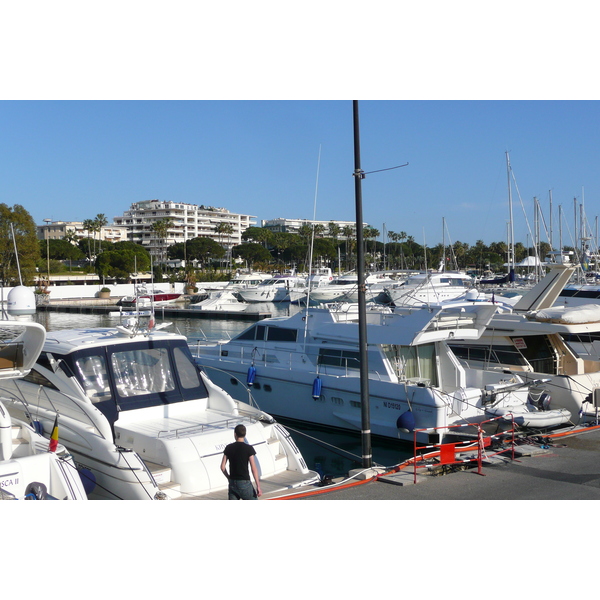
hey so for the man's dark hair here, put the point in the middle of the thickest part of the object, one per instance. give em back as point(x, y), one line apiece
point(240, 431)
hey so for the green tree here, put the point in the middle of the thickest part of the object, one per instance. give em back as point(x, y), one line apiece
point(25, 239)
point(122, 260)
point(252, 253)
point(258, 234)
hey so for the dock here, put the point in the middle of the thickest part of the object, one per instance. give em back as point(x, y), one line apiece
point(101, 306)
point(565, 467)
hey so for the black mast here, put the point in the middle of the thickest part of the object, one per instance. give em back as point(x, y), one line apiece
point(362, 305)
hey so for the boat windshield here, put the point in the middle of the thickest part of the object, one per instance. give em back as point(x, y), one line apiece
point(137, 375)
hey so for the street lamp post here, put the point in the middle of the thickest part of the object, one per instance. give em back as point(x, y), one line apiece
point(48, 221)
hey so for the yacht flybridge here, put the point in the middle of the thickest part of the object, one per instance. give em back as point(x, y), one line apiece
point(137, 412)
point(306, 367)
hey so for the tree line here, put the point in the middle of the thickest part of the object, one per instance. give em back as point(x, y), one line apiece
point(261, 248)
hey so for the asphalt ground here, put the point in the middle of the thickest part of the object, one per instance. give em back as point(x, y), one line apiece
point(559, 468)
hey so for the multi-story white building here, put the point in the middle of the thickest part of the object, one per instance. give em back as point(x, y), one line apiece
point(56, 230)
point(293, 225)
point(188, 221)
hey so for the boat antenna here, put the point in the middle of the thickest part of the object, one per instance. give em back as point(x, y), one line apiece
point(359, 175)
point(12, 230)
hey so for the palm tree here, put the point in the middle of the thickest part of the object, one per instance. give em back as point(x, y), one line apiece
point(88, 225)
point(223, 229)
point(161, 231)
point(348, 234)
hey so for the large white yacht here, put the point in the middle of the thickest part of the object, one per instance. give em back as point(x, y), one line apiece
point(280, 288)
point(306, 367)
point(542, 339)
point(137, 412)
point(30, 467)
point(344, 288)
point(429, 288)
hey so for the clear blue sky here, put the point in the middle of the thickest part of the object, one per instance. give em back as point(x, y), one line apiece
point(231, 105)
point(69, 160)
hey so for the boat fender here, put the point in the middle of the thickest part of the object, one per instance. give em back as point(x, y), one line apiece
point(38, 427)
point(36, 491)
point(406, 421)
point(251, 375)
point(88, 479)
point(317, 387)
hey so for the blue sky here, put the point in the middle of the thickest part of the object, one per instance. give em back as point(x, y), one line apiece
point(69, 160)
point(232, 105)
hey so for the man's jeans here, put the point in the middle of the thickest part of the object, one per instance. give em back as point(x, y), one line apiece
point(241, 489)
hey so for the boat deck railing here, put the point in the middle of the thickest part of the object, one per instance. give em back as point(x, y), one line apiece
point(200, 428)
point(284, 359)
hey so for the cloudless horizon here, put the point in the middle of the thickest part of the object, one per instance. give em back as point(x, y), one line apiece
point(70, 160)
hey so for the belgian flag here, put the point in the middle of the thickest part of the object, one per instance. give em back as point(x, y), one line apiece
point(54, 437)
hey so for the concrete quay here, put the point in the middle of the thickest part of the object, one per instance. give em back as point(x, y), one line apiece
point(104, 306)
point(568, 469)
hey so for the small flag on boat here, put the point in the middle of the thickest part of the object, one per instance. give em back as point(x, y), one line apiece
point(151, 322)
point(54, 437)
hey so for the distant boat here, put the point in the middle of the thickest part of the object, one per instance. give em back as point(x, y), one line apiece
point(146, 298)
point(430, 288)
point(280, 288)
point(221, 301)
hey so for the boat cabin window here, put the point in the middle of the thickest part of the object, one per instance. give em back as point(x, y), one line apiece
point(36, 377)
point(142, 371)
point(281, 334)
point(11, 355)
point(413, 362)
point(188, 373)
point(494, 356)
point(271, 334)
point(538, 351)
point(137, 375)
point(347, 359)
point(91, 372)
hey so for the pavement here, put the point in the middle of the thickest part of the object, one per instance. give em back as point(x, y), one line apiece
point(557, 468)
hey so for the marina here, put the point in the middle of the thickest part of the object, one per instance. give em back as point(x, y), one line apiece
point(334, 454)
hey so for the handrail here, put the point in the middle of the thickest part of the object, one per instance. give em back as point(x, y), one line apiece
point(201, 427)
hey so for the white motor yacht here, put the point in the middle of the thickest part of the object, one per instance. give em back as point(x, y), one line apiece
point(542, 339)
point(280, 288)
point(429, 288)
point(224, 300)
point(306, 367)
point(138, 413)
point(345, 288)
point(31, 467)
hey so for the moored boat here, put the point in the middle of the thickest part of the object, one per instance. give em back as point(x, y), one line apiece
point(539, 340)
point(145, 298)
point(138, 413)
point(306, 367)
point(31, 467)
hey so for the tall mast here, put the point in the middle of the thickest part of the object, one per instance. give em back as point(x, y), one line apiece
point(511, 231)
point(367, 456)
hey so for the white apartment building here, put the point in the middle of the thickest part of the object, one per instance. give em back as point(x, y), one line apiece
point(282, 225)
point(56, 230)
point(188, 221)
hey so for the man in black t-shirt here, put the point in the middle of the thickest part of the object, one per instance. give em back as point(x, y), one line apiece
point(240, 455)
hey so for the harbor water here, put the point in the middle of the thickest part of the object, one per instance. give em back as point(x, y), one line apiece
point(329, 452)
